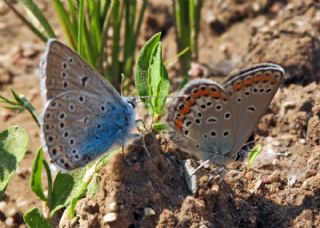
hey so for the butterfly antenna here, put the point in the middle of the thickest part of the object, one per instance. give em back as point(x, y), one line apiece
point(122, 83)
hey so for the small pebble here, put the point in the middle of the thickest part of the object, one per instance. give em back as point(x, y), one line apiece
point(149, 211)
point(110, 217)
point(12, 211)
point(113, 206)
point(249, 176)
point(9, 221)
point(215, 188)
point(311, 172)
point(266, 180)
point(2, 205)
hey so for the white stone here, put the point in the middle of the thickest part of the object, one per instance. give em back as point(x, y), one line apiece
point(110, 217)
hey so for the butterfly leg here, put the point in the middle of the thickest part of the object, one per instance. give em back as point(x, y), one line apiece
point(134, 136)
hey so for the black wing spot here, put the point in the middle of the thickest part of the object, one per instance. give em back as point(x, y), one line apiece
point(226, 133)
point(71, 141)
point(203, 106)
point(197, 121)
point(65, 85)
point(251, 108)
point(261, 90)
point(213, 133)
point(84, 81)
point(64, 65)
point(81, 98)
point(70, 59)
point(211, 120)
point(239, 99)
point(199, 114)
point(209, 103)
point(66, 134)
point(186, 132)
point(218, 107)
point(61, 125)
point(71, 107)
point(188, 123)
point(62, 116)
point(247, 93)
point(54, 151)
point(227, 115)
point(268, 90)
point(103, 108)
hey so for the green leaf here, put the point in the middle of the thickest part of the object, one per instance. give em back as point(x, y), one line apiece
point(94, 185)
point(69, 187)
point(35, 181)
point(143, 64)
point(160, 126)
point(66, 187)
point(159, 85)
point(13, 146)
point(27, 105)
point(34, 219)
point(253, 154)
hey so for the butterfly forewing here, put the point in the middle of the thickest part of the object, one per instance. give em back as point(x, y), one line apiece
point(63, 70)
point(251, 91)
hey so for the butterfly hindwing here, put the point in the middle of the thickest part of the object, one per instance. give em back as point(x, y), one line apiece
point(198, 113)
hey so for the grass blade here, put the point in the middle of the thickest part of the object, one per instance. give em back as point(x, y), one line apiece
point(35, 180)
point(36, 31)
point(69, 28)
point(40, 17)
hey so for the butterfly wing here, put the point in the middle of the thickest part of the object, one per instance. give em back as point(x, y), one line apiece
point(83, 116)
point(62, 70)
point(250, 93)
point(202, 117)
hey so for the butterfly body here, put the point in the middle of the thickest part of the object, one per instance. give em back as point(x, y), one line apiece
point(213, 121)
point(83, 114)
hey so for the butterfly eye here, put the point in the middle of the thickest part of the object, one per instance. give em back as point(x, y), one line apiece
point(132, 104)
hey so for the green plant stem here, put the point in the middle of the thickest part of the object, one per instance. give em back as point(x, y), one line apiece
point(49, 178)
point(81, 27)
point(106, 26)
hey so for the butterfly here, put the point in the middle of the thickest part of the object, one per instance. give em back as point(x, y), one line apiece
point(83, 114)
point(213, 121)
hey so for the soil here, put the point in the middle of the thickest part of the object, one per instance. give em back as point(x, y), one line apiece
point(282, 189)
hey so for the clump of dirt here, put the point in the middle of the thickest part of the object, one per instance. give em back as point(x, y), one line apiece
point(223, 14)
point(291, 40)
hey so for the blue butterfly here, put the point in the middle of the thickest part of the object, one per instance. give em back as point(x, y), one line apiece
point(83, 114)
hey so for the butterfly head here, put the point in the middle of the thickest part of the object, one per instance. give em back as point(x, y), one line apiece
point(131, 101)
